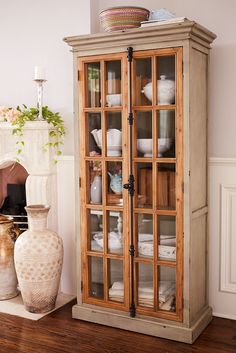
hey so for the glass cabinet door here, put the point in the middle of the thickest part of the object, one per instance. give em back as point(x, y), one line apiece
point(157, 165)
point(103, 169)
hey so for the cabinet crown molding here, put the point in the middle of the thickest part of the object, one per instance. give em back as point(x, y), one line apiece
point(143, 35)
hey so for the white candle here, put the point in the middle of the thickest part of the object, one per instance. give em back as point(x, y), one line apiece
point(39, 73)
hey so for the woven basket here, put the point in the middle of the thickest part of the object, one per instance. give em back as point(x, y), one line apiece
point(121, 18)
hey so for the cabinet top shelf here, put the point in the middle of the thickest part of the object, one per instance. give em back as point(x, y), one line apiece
point(146, 36)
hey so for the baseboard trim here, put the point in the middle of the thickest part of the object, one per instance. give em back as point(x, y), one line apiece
point(174, 331)
point(224, 316)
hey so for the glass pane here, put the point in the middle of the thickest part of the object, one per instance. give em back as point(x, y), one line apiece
point(166, 238)
point(145, 285)
point(113, 83)
point(116, 281)
point(93, 84)
point(96, 284)
point(94, 172)
point(166, 186)
point(94, 131)
point(166, 80)
point(143, 81)
point(95, 230)
point(143, 122)
point(144, 185)
point(115, 232)
point(114, 183)
point(167, 288)
point(145, 235)
point(166, 133)
point(114, 134)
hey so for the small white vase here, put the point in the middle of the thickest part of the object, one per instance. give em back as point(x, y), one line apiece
point(38, 260)
point(166, 91)
point(96, 190)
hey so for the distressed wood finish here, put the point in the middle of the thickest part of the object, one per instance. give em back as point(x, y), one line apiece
point(190, 43)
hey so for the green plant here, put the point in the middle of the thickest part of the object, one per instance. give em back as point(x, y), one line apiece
point(31, 114)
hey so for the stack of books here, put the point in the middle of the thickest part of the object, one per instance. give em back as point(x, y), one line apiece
point(163, 22)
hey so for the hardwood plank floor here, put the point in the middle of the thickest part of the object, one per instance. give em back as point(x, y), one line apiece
point(59, 333)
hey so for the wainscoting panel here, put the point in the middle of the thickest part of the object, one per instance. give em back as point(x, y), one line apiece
point(228, 239)
point(222, 236)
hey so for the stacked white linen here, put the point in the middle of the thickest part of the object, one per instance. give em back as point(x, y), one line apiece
point(116, 292)
point(146, 293)
point(166, 248)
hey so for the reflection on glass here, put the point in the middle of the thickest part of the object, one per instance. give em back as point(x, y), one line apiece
point(166, 186)
point(95, 230)
point(93, 96)
point(115, 232)
point(143, 81)
point(167, 288)
point(166, 80)
point(94, 136)
point(143, 122)
point(114, 183)
point(145, 285)
point(166, 133)
point(114, 134)
point(94, 172)
point(116, 280)
point(145, 235)
point(166, 238)
point(113, 83)
point(96, 285)
point(144, 184)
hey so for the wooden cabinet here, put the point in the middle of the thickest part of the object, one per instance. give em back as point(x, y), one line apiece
point(141, 160)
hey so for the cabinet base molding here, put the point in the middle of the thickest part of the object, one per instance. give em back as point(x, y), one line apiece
point(145, 325)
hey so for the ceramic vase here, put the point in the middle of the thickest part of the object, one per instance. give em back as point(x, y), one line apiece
point(38, 261)
point(8, 280)
point(96, 190)
point(166, 91)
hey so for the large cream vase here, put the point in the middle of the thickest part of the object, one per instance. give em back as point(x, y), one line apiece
point(38, 262)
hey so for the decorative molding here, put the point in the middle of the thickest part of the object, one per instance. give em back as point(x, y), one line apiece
point(228, 239)
point(135, 37)
point(215, 161)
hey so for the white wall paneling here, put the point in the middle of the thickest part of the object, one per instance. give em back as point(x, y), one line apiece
point(222, 236)
point(66, 221)
point(228, 238)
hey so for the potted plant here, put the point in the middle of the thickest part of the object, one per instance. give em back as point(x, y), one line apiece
point(18, 118)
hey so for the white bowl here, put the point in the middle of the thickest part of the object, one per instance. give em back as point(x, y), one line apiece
point(114, 151)
point(164, 144)
point(145, 146)
point(113, 100)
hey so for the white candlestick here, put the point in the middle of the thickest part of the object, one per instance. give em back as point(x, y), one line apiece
point(39, 73)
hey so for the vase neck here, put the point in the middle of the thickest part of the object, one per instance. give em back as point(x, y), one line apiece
point(37, 217)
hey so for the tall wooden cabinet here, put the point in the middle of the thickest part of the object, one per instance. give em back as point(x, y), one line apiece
point(141, 170)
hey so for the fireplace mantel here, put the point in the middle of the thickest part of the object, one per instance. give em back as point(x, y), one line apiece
point(41, 184)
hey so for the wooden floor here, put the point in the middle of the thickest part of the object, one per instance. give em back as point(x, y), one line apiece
point(58, 333)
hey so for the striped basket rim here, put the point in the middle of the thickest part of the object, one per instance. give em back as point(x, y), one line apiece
point(124, 7)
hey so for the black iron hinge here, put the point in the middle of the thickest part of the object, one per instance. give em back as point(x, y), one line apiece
point(81, 286)
point(130, 185)
point(131, 250)
point(132, 310)
point(130, 119)
point(78, 75)
point(130, 54)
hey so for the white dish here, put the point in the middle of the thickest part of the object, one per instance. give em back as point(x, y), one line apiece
point(145, 146)
point(113, 100)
